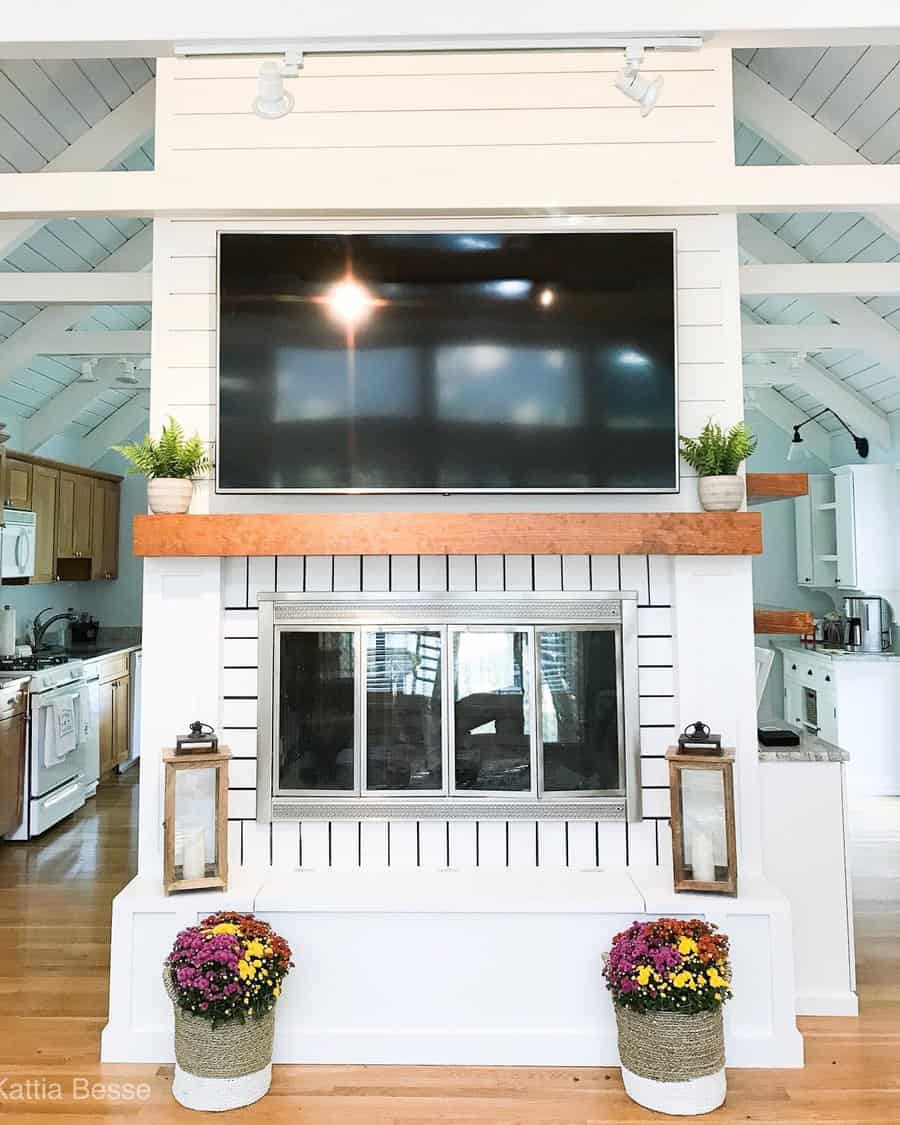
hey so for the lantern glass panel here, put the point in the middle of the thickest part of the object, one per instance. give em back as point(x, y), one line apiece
point(704, 824)
point(196, 798)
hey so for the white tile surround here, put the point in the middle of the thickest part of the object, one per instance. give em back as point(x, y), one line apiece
point(459, 843)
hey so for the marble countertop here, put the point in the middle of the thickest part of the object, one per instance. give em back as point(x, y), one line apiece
point(88, 653)
point(835, 653)
point(811, 749)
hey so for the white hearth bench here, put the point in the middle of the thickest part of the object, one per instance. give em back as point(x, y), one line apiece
point(474, 967)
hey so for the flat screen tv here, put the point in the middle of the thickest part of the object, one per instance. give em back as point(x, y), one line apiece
point(468, 361)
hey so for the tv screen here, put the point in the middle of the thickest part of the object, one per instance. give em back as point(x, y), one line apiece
point(465, 361)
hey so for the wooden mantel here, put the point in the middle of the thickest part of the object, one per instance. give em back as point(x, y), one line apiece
point(450, 533)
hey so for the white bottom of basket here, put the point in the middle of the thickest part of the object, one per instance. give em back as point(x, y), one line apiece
point(680, 1099)
point(218, 1094)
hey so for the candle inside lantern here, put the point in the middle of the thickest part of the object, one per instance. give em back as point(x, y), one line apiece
point(194, 862)
point(703, 867)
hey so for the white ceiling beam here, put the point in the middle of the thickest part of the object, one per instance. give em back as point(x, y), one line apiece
point(134, 342)
point(107, 143)
point(798, 135)
point(882, 340)
point(107, 31)
point(812, 279)
point(785, 415)
point(860, 415)
point(114, 429)
point(798, 337)
point(55, 415)
point(285, 184)
point(71, 288)
point(25, 343)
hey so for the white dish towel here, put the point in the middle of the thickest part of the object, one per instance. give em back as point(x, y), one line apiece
point(60, 729)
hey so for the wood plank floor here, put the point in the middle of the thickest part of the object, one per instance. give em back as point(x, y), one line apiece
point(54, 926)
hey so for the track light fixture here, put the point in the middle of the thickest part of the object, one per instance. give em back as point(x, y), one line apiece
point(797, 450)
point(88, 371)
point(641, 90)
point(272, 99)
point(127, 377)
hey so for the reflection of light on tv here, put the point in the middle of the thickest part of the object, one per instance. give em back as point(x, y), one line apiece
point(628, 357)
point(510, 287)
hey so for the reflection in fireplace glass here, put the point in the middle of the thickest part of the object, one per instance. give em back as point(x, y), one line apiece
point(492, 699)
point(578, 711)
point(316, 711)
point(403, 710)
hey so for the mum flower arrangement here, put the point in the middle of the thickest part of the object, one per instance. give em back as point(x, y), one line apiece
point(230, 966)
point(669, 966)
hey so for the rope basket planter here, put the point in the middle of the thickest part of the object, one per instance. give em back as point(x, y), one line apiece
point(673, 1062)
point(222, 1069)
point(669, 978)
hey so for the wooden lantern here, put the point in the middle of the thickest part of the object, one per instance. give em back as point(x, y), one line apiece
point(196, 821)
point(704, 847)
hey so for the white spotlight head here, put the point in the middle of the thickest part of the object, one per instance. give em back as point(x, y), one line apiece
point(546, 297)
point(88, 374)
point(641, 90)
point(128, 377)
point(272, 100)
point(349, 302)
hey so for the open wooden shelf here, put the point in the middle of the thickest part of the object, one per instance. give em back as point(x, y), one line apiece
point(763, 487)
point(794, 621)
point(450, 533)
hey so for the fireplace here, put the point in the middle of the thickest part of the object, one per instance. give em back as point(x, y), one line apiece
point(448, 705)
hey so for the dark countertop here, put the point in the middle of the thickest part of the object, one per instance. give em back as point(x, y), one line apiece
point(91, 652)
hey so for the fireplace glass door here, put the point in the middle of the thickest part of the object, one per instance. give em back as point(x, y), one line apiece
point(404, 744)
point(580, 710)
point(317, 709)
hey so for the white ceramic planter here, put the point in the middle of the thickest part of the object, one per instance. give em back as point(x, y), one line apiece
point(678, 1099)
point(721, 494)
point(169, 495)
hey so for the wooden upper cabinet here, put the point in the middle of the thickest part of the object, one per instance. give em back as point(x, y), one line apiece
point(18, 483)
point(105, 530)
point(74, 525)
point(44, 496)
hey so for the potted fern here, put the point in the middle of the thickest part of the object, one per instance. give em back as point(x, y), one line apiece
point(717, 456)
point(170, 466)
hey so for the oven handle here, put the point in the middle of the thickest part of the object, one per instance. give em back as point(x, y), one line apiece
point(809, 726)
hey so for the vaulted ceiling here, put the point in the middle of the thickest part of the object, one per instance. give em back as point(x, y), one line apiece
point(48, 106)
point(50, 110)
point(853, 93)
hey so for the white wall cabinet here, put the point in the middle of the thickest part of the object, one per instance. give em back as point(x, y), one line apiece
point(846, 529)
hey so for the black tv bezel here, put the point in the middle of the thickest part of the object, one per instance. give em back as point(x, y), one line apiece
point(480, 228)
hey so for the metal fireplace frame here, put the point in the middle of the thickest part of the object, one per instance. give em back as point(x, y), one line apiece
point(540, 610)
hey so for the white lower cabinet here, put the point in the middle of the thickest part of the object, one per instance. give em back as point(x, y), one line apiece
point(852, 702)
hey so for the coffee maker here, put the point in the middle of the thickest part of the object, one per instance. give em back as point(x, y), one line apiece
point(868, 624)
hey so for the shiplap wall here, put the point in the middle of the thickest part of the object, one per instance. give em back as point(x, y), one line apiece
point(457, 843)
point(443, 130)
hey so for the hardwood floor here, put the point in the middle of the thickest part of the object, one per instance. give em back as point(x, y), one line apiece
point(54, 925)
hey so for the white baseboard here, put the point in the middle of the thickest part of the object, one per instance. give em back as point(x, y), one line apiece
point(827, 1004)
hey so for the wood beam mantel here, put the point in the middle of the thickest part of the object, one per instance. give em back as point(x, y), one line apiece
point(450, 533)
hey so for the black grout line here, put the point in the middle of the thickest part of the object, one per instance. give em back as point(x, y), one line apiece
point(627, 844)
point(300, 843)
point(418, 844)
point(247, 582)
point(329, 843)
point(388, 844)
point(477, 844)
point(656, 837)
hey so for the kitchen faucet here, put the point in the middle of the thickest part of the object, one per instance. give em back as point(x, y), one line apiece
point(39, 628)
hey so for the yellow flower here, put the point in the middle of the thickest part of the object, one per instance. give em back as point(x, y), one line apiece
point(276, 991)
point(254, 948)
point(226, 928)
point(715, 978)
point(718, 995)
point(644, 974)
point(682, 980)
point(687, 946)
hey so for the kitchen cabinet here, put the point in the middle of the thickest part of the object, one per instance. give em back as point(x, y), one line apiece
point(105, 530)
point(845, 529)
point(44, 498)
point(115, 710)
point(74, 526)
point(115, 738)
point(17, 484)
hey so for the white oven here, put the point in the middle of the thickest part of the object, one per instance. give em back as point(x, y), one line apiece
point(17, 543)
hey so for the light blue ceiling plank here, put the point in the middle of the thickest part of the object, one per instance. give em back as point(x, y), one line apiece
point(75, 86)
point(106, 80)
point(45, 96)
